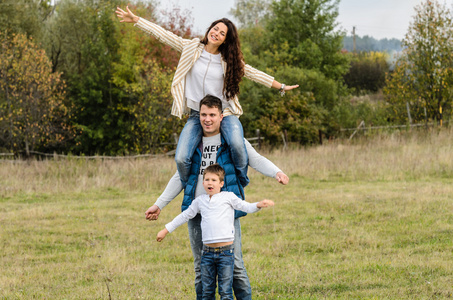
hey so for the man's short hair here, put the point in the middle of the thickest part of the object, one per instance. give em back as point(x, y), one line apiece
point(215, 169)
point(211, 102)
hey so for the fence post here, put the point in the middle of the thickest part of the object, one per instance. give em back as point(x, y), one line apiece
point(284, 140)
point(258, 135)
point(440, 113)
point(426, 118)
point(409, 114)
point(358, 127)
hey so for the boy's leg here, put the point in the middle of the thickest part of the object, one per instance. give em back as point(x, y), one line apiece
point(241, 283)
point(232, 132)
point(208, 274)
point(196, 244)
point(225, 269)
point(189, 139)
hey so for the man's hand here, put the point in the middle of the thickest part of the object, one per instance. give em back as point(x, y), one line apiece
point(152, 213)
point(161, 235)
point(265, 203)
point(282, 178)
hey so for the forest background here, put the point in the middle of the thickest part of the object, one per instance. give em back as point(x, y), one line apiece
point(75, 80)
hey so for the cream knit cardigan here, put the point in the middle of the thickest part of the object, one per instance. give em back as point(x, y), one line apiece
point(190, 51)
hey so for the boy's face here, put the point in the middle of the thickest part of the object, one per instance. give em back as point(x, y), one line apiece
point(212, 183)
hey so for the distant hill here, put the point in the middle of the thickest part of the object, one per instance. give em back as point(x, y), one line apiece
point(368, 43)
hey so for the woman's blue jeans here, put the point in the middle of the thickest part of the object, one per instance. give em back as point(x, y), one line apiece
point(191, 135)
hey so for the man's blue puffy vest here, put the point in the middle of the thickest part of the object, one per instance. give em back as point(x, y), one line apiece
point(231, 181)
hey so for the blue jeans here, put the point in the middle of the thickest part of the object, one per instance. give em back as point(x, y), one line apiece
point(191, 135)
point(217, 265)
point(241, 284)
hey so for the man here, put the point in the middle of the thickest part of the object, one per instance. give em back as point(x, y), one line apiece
point(214, 150)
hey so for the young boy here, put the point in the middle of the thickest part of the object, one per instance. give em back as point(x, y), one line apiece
point(217, 224)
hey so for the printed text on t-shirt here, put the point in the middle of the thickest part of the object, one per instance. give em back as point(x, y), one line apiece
point(209, 156)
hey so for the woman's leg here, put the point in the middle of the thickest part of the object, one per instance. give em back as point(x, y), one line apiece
point(188, 141)
point(232, 132)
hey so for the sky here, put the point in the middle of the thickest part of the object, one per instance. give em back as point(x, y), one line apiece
point(377, 18)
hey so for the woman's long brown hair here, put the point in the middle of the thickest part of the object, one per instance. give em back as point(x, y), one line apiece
point(232, 54)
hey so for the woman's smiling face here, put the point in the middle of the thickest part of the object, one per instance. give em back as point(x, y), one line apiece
point(217, 34)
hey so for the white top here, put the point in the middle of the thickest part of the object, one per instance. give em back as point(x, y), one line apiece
point(205, 78)
point(256, 161)
point(217, 216)
point(190, 53)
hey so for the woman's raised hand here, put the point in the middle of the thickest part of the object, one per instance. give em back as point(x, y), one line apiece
point(290, 87)
point(126, 16)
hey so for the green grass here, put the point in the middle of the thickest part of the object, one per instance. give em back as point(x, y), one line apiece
point(363, 220)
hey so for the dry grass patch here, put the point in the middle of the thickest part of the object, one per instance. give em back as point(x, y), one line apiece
point(358, 220)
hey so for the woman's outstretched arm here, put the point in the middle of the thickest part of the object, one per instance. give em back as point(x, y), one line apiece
point(164, 36)
point(277, 85)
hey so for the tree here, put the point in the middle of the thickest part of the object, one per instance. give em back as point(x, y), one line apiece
point(308, 27)
point(33, 109)
point(144, 77)
point(118, 77)
point(24, 16)
point(250, 12)
point(367, 72)
point(423, 76)
point(297, 43)
point(368, 43)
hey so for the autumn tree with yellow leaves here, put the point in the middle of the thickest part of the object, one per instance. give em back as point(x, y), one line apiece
point(33, 112)
point(423, 77)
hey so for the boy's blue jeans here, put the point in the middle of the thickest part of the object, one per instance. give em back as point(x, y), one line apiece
point(217, 265)
point(241, 284)
point(191, 135)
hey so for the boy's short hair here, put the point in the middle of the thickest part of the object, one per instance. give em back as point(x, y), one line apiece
point(211, 102)
point(215, 169)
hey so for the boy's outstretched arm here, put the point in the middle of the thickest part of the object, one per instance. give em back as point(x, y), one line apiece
point(161, 235)
point(265, 203)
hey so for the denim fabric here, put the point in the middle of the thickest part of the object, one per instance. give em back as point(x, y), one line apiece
point(191, 135)
point(232, 132)
point(241, 284)
point(217, 267)
point(196, 244)
point(189, 139)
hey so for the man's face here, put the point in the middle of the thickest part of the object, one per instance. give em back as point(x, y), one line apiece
point(212, 183)
point(210, 119)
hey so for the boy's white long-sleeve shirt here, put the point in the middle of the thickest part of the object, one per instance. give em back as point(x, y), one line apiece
point(256, 161)
point(217, 216)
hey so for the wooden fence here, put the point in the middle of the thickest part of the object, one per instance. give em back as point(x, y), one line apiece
point(257, 142)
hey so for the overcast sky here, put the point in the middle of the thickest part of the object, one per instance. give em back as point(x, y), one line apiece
point(376, 18)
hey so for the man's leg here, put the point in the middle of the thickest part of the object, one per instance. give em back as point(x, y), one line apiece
point(241, 283)
point(196, 244)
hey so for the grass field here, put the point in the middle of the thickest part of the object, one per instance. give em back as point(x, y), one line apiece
point(371, 219)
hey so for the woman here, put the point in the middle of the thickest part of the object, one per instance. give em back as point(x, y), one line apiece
point(213, 65)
